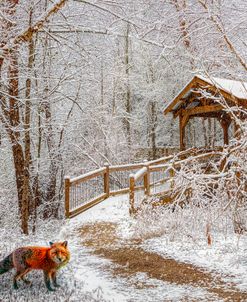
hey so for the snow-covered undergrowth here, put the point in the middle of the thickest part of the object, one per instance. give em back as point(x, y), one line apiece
point(201, 235)
point(189, 222)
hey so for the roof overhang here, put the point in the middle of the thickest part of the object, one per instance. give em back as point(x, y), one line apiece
point(235, 91)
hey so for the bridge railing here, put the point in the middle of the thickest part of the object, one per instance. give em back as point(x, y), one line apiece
point(139, 180)
point(159, 178)
point(87, 190)
point(91, 187)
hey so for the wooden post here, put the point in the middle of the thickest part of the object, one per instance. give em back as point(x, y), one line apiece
point(225, 123)
point(181, 131)
point(183, 120)
point(147, 181)
point(132, 194)
point(107, 180)
point(226, 138)
point(67, 195)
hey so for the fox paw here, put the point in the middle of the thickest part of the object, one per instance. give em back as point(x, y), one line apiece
point(57, 285)
point(51, 289)
point(27, 281)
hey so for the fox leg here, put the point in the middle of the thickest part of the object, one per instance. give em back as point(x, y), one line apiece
point(24, 279)
point(54, 279)
point(19, 275)
point(19, 262)
point(47, 277)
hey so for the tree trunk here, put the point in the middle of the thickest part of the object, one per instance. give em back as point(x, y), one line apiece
point(54, 156)
point(27, 194)
point(128, 102)
point(14, 133)
point(153, 129)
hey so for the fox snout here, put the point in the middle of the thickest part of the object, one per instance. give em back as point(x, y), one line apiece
point(60, 259)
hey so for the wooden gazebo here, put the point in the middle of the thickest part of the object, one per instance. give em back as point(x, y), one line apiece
point(209, 98)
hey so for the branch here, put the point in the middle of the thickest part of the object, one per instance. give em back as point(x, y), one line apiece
point(225, 37)
point(28, 33)
point(108, 11)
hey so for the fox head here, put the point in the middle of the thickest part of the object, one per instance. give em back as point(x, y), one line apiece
point(59, 253)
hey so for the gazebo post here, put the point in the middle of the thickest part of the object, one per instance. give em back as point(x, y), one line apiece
point(183, 120)
point(181, 133)
point(225, 123)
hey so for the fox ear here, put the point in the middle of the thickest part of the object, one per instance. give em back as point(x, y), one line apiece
point(51, 243)
point(65, 243)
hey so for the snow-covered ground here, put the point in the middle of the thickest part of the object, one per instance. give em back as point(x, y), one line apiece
point(227, 255)
point(85, 277)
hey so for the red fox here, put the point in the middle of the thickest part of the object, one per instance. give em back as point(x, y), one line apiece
point(48, 259)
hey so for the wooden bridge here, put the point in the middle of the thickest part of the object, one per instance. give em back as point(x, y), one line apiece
point(151, 178)
point(200, 98)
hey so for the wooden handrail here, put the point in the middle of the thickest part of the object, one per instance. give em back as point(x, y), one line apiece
point(88, 176)
point(106, 174)
point(140, 173)
point(159, 167)
point(186, 160)
point(125, 167)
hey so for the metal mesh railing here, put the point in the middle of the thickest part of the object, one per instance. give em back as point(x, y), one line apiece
point(119, 177)
point(159, 180)
point(83, 192)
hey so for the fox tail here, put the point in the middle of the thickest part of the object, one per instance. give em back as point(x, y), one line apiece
point(6, 264)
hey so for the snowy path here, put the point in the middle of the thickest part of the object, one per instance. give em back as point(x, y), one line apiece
point(124, 269)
